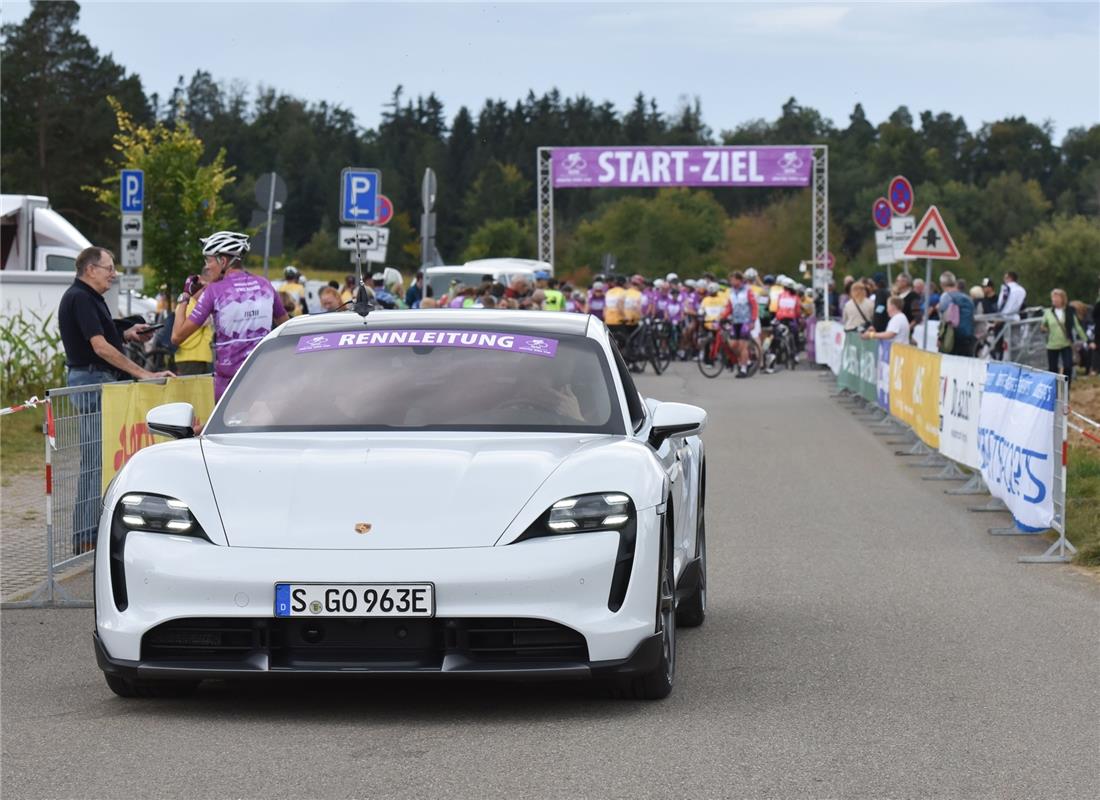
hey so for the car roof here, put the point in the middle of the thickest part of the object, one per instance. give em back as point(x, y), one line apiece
point(534, 322)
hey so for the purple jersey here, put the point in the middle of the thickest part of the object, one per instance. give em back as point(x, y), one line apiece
point(596, 304)
point(245, 308)
point(660, 305)
point(674, 309)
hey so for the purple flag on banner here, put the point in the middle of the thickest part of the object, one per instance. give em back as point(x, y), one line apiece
point(590, 167)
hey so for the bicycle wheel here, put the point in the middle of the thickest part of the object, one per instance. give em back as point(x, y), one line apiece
point(756, 357)
point(663, 354)
point(710, 365)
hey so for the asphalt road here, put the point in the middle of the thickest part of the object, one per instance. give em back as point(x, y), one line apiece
point(865, 638)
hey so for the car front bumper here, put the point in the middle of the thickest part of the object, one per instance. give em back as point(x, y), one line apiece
point(561, 580)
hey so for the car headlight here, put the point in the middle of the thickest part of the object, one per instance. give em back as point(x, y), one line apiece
point(157, 514)
point(603, 511)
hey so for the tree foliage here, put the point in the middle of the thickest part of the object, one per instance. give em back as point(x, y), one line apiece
point(183, 195)
point(1064, 252)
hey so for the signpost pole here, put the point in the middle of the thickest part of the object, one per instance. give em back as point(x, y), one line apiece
point(927, 297)
point(267, 230)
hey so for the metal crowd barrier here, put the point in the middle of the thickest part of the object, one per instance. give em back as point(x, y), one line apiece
point(1021, 341)
point(73, 445)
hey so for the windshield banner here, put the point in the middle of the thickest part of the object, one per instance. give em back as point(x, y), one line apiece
point(585, 167)
point(476, 340)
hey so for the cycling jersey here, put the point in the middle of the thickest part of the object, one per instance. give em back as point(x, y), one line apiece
point(762, 301)
point(298, 292)
point(712, 308)
point(596, 304)
point(674, 309)
point(788, 306)
point(741, 307)
point(554, 301)
point(773, 298)
point(613, 310)
point(660, 306)
point(245, 308)
point(632, 307)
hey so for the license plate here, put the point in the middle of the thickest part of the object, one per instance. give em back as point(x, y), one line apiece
point(354, 600)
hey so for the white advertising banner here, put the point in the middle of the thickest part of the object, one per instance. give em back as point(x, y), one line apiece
point(828, 344)
point(962, 381)
point(1016, 441)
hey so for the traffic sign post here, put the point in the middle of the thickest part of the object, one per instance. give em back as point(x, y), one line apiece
point(900, 196)
point(131, 201)
point(931, 241)
point(881, 213)
point(366, 237)
point(359, 191)
point(270, 194)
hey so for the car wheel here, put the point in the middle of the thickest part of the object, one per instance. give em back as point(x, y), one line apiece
point(692, 610)
point(124, 687)
point(657, 685)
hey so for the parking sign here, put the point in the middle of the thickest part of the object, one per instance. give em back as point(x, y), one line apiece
point(131, 191)
point(359, 190)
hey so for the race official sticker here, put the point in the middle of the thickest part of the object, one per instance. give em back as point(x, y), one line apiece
point(476, 340)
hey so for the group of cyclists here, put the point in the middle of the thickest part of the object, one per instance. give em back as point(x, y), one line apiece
point(745, 322)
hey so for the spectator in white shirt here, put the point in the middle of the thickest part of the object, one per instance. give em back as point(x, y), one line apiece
point(897, 329)
point(1012, 297)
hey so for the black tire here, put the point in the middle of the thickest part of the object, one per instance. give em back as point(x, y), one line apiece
point(691, 612)
point(664, 354)
point(657, 685)
point(124, 687)
point(715, 367)
point(756, 355)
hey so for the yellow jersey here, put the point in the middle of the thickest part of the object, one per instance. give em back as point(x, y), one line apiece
point(199, 345)
point(632, 307)
point(298, 292)
point(613, 311)
point(712, 308)
point(774, 294)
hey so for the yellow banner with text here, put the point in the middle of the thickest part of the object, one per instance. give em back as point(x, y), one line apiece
point(914, 391)
point(126, 404)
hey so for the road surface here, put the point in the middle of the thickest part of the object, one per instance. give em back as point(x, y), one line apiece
point(866, 639)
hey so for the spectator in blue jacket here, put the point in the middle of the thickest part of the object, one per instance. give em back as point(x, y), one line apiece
point(957, 310)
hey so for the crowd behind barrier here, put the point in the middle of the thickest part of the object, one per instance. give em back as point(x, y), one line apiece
point(1007, 422)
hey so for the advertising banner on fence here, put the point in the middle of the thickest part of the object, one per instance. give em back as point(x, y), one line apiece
point(882, 384)
point(914, 391)
point(126, 404)
point(962, 381)
point(859, 367)
point(589, 167)
point(828, 343)
point(1016, 441)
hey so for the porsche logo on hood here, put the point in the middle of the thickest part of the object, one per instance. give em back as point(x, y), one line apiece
point(362, 527)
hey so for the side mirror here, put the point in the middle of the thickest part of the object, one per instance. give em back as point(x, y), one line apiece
point(675, 420)
point(172, 419)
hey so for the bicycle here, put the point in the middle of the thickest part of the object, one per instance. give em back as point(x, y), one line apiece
point(716, 353)
point(640, 347)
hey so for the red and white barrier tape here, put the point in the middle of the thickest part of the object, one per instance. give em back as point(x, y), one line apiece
point(31, 403)
point(1083, 432)
point(1079, 416)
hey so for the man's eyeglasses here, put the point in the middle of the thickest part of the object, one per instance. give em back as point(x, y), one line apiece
point(108, 267)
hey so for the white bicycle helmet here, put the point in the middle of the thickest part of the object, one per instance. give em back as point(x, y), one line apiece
point(672, 276)
point(225, 243)
point(750, 274)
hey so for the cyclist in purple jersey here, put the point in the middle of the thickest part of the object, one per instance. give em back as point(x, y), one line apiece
point(597, 301)
point(245, 307)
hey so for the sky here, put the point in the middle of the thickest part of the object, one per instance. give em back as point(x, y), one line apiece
point(983, 61)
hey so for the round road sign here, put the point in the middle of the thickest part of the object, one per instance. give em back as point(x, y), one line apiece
point(881, 213)
point(385, 210)
point(900, 196)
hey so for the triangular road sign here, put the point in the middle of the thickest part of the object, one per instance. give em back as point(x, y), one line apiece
point(931, 239)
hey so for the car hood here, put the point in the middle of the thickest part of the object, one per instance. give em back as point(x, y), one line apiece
point(380, 491)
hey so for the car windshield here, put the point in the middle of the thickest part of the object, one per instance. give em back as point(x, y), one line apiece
point(419, 379)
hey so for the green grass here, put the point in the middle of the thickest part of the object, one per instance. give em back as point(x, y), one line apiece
point(1083, 503)
point(21, 442)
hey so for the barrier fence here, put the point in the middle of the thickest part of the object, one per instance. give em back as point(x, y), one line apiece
point(1006, 423)
point(91, 432)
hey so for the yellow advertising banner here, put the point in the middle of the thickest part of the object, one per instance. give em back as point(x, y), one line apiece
point(914, 391)
point(126, 404)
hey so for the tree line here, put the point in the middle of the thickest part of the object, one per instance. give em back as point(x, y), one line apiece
point(1011, 195)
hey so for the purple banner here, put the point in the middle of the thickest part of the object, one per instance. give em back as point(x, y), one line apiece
point(590, 167)
point(477, 340)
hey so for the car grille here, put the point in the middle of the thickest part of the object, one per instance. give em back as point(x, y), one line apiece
point(327, 642)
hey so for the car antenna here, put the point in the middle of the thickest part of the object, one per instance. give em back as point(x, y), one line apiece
point(364, 297)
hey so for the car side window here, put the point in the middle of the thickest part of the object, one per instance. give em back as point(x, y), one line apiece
point(634, 405)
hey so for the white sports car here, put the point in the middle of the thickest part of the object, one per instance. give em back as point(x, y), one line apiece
point(435, 493)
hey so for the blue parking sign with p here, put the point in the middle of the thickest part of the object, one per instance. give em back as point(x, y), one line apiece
point(359, 190)
point(131, 191)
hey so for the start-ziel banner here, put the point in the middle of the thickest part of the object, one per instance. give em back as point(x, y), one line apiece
point(580, 167)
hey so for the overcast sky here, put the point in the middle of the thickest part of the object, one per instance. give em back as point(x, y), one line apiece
point(984, 61)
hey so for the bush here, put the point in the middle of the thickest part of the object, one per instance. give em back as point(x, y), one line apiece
point(33, 357)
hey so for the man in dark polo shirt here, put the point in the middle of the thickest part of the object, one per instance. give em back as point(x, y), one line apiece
point(93, 343)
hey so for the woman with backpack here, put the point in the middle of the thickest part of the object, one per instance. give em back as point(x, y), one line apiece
point(1063, 329)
